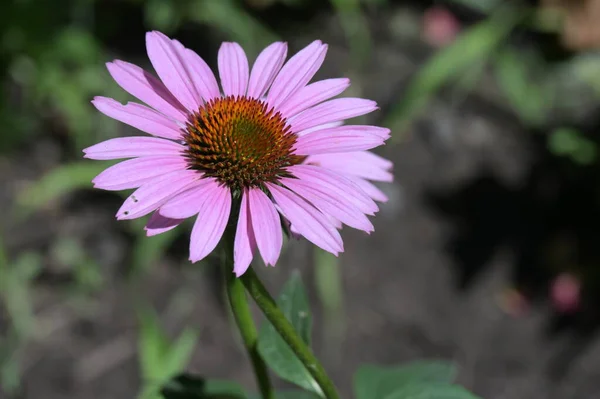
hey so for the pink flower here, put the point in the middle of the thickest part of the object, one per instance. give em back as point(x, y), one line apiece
point(440, 26)
point(565, 293)
point(267, 143)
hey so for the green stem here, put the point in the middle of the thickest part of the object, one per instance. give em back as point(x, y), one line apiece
point(243, 318)
point(268, 306)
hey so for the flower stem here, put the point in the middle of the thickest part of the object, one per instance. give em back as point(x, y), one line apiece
point(243, 318)
point(268, 306)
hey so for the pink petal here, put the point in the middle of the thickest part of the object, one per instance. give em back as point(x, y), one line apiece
point(327, 180)
point(129, 147)
point(266, 226)
point(210, 224)
point(363, 164)
point(152, 195)
point(136, 172)
point(338, 205)
point(319, 127)
point(233, 69)
point(331, 111)
point(147, 88)
point(139, 116)
point(307, 220)
point(339, 139)
point(244, 244)
point(203, 77)
point(370, 189)
point(313, 94)
point(159, 224)
point(169, 63)
point(265, 68)
point(189, 202)
point(296, 73)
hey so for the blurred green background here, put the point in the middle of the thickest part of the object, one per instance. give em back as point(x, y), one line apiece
point(494, 111)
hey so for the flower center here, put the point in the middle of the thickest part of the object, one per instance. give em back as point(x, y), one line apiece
point(239, 141)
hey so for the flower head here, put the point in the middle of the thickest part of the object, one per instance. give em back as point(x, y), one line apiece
point(267, 143)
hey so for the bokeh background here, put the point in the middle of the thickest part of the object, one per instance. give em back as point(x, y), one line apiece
point(487, 252)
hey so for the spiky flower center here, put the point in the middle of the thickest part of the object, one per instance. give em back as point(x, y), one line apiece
point(239, 141)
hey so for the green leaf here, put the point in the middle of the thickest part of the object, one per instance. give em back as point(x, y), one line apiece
point(474, 45)
point(161, 360)
point(376, 382)
point(429, 391)
point(289, 395)
point(57, 183)
point(186, 386)
point(275, 351)
point(530, 99)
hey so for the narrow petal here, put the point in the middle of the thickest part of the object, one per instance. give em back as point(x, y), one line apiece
point(210, 224)
point(319, 127)
point(135, 172)
point(153, 194)
point(339, 139)
point(331, 111)
point(129, 147)
point(327, 180)
point(233, 69)
point(296, 73)
point(139, 116)
point(147, 88)
point(189, 202)
point(313, 94)
point(266, 225)
point(265, 68)
point(370, 189)
point(244, 244)
point(169, 64)
point(159, 224)
point(307, 220)
point(204, 78)
point(363, 164)
point(338, 205)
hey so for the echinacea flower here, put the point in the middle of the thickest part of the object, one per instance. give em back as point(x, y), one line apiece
point(267, 143)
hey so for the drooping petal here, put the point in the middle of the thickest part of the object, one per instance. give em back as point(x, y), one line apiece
point(330, 111)
point(210, 224)
point(265, 68)
point(313, 94)
point(296, 73)
point(189, 202)
point(339, 139)
point(139, 116)
point(153, 194)
point(363, 164)
point(266, 225)
point(328, 180)
point(338, 205)
point(129, 147)
point(203, 77)
point(244, 244)
point(135, 172)
point(147, 88)
point(159, 224)
point(233, 69)
point(307, 220)
point(370, 189)
point(169, 63)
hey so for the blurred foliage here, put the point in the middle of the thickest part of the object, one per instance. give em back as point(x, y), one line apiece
point(52, 57)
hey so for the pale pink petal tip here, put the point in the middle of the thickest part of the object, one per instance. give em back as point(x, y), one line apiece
point(243, 248)
point(159, 224)
point(233, 69)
